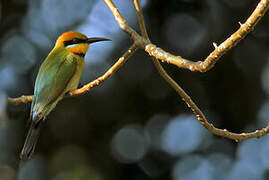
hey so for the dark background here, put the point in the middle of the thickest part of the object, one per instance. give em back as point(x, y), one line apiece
point(134, 126)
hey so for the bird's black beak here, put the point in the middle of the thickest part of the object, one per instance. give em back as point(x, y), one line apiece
point(96, 39)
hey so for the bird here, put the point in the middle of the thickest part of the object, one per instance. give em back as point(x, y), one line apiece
point(59, 73)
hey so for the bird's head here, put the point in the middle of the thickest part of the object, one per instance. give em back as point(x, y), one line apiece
point(76, 42)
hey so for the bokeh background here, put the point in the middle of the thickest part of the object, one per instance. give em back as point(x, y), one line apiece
point(134, 126)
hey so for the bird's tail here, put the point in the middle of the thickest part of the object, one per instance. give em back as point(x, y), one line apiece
point(31, 140)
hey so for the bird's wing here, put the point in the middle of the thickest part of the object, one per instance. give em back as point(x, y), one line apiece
point(52, 81)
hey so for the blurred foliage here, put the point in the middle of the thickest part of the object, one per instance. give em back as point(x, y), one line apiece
point(134, 126)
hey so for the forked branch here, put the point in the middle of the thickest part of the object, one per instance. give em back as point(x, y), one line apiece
point(199, 114)
point(212, 58)
point(143, 42)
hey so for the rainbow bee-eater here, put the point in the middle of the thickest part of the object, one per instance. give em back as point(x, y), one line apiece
point(58, 74)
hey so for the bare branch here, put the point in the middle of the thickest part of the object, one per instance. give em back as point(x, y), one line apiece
point(199, 114)
point(87, 87)
point(201, 66)
point(124, 26)
point(201, 117)
point(141, 19)
point(219, 51)
point(102, 78)
point(18, 100)
point(170, 58)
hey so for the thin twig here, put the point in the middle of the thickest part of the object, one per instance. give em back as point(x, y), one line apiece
point(140, 41)
point(102, 78)
point(141, 21)
point(87, 87)
point(199, 114)
point(18, 100)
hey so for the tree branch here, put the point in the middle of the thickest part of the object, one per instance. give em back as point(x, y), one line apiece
point(219, 51)
point(102, 78)
point(18, 100)
point(141, 21)
point(140, 41)
point(199, 114)
point(213, 57)
point(201, 117)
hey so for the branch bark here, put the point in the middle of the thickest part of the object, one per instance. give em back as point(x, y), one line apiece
point(219, 51)
point(187, 99)
point(212, 58)
point(105, 76)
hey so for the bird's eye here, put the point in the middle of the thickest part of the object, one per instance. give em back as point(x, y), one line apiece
point(75, 41)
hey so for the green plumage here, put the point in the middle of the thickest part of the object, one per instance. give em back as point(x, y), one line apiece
point(58, 74)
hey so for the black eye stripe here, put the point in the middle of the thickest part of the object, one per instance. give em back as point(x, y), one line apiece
point(74, 41)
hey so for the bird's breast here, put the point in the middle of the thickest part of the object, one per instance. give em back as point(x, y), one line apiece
point(76, 78)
